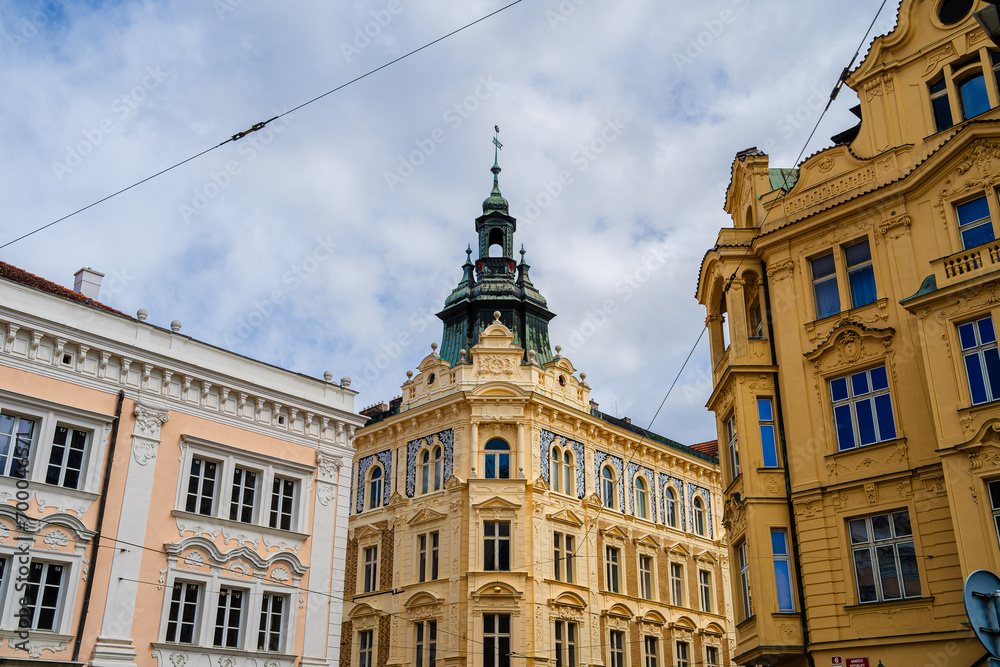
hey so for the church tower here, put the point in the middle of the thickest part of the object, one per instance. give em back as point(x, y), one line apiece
point(495, 283)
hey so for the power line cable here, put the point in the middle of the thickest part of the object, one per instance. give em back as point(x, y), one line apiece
point(261, 125)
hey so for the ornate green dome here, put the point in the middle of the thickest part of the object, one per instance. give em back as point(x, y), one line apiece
point(495, 202)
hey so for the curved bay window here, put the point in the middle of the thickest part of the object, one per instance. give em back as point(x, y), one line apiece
point(497, 464)
point(375, 488)
point(609, 487)
point(430, 470)
point(641, 498)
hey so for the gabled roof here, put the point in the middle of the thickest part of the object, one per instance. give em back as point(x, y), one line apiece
point(22, 277)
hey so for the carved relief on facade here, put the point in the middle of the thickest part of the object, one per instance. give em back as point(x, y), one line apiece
point(977, 170)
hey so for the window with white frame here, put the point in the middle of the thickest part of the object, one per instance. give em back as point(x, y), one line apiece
point(565, 637)
point(646, 577)
point(497, 459)
point(44, 594)
point(711, 656)
point(271, 633)
point(650, 649)
point(994, 490)
point(768, 443)
point(430, 470)
point(860, 274)
point(427, 556)
point(229, 617)
point(366, 648)
point(641, 498)
point(563, 548)
point(370, 570)
point(67, 457)
point(426, 644)
point(825, 290)
point(862, 408)
point(185, 600)
point(975, 223)
point(375, 487)
point(782, 569)
point(746, 604)
point(496, 640)
point(698, 515)
point(705, 590)
point(611, 563)
point(562, 470)
point(884, 557)
point(496, 546)
point(683, 655)
point(982, 359)
point(609, 487)
point(670, 507)
point(617, 648)
point(732, 446)
point(17, 434)
point(677, 584)
point(231, 484)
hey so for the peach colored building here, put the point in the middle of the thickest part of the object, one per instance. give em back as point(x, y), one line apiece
point(162, 501)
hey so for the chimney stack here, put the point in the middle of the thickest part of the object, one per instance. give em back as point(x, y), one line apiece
point(88, 283)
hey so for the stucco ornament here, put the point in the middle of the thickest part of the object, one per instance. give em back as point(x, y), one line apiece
point(148, 421)
point(327, 466)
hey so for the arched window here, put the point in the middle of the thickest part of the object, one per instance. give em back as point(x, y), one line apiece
point(569, 473)
point(437, 468)
point(425, 471)
point(562, 470)
point(375, 488)
point(699, 516)
point(641, 499)
point(608, 487)
point(497, 459)
point(430, 470)
point(671, 507)
point(555, 472)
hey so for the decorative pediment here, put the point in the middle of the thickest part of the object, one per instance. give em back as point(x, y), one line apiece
point(615, 533)
point(619, 610)
point(496, 503)
point(367, 531)
point(396, 499)
point(654, 617)
point(849, 344)
point(714, 629)
point(501, 389)
point(684, 623)
point(421, 599)
point(648, 541)
point(593, 501)
point(497, 591)
point(706, 557)
point(424, 516)
point(540, 484)
point(678, 549)
point(362, 610)
point(566, 516)
point(452, 482)
point(568, 599)
point(27, 525)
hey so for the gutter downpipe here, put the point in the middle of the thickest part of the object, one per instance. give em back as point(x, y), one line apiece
point(95, 554)
point(779, 414)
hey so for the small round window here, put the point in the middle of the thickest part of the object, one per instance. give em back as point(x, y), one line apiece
point(562, 380)
point(430, 379)
point(951, 12)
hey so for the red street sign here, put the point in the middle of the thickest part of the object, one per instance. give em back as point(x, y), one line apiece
point(858, 662)
point(836, 660)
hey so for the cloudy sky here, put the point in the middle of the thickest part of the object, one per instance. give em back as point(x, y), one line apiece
point(325, 240)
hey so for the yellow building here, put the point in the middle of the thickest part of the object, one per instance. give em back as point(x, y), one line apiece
point(851, 310)
point(499, 518)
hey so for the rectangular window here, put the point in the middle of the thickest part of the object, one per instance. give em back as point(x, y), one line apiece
point(711, 656)
point(422, 556)
point(496, 640)
point(201, 486)
point(994, 489)
point(824, 272)
point(66, 458)
point(557, 556)
point(782, 569)
point(982, 360)
point(768, 445)
point(565, 643)
point(183, 618)
point(649, 643)
point(427, 556)
point(229, 618)
point(646, 577)
point(746, 605)
point(940, 105)
point(496, 546)
point(282, 503)
point(244, 494)
point(42, 596)
point(366, 648)
point(885, 561)
point(860, 274)
point(733, 446)
point(677, 584)
point(16, 437)
point(426, 651)
point(705, 590)
point(617, 650)
point(974, 222)
point(272, 623)
point(611, 566)
point(562, 557)
point(862, 408)
point(683, 655)
point(370, 569)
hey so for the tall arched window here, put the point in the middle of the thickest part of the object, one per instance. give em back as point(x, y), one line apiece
point(437, 468)
point(555, 469)
point(497, 459)
point(562, 470)
point(569, 473)
point(375, 488)
point(425, 471)
point(608, 487)
point(671, 507)
point(430, 470)
point(699, 515)
point(641, 499)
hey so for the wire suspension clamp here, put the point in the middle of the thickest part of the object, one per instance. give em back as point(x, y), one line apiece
point(258, 126)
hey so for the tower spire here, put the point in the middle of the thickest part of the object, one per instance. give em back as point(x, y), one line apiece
point(495, 202)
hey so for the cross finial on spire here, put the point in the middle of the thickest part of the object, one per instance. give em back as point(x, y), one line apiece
point(499, 146)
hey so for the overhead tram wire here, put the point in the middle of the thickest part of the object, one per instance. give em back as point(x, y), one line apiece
point(261, 125)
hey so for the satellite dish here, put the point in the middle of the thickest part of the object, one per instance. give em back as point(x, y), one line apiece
point(982, 604)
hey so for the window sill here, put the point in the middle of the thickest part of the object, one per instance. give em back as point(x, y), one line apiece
point(52, 496)
point(973, 409)
point(885, 444)
point(908, 602)
point(846, 313)
point(218, 650)
point(232, 529)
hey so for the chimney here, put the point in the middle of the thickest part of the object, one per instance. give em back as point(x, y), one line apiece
point(88, 283)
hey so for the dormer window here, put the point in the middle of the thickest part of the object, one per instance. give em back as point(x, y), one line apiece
point(970, 80)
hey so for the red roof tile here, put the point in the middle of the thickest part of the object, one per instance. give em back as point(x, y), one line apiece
point(22, 277)
point(711, 447)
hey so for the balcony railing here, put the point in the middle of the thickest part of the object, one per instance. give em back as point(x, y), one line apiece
point(967, 264)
